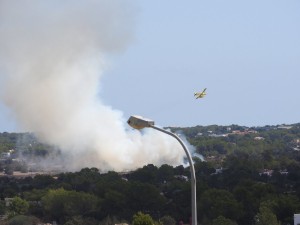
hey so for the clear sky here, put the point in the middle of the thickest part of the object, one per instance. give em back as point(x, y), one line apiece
point(246, 53)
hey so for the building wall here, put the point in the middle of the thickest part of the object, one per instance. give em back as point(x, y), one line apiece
point(296, 219)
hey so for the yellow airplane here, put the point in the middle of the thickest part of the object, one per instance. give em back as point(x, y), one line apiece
point(200, 94)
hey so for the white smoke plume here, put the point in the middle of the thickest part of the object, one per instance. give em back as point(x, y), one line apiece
point(52, 57)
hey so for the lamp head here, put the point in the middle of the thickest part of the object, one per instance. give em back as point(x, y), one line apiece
point(138, 122)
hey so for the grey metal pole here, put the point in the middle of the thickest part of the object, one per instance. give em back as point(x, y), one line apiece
point(192, 169)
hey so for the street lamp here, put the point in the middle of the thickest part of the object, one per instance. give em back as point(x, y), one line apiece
point(139, 122)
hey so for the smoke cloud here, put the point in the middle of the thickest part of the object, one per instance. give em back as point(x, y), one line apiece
point(51, 61)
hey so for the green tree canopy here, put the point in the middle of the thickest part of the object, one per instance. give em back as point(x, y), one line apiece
point(79, 220)
point(23, 220)
point(266, 217)
point(221, 220)
point(167, 220)
point(18, 206)
point(216, 202)
point(60, 203)
point(142, 219)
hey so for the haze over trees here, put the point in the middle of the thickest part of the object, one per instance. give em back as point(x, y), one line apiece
point(250, 176)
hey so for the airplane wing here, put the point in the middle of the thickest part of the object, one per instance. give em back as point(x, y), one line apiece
point(200, 94)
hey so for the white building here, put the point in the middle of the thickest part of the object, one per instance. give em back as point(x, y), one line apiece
point(296, 219)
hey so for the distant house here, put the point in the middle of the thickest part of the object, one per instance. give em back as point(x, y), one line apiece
point(296, 144)
point(218, 171)
point(218, 135)
point(285, 127)
point(5, 155)
point(259, 138)
point(283, 172)
point(182, 177)
point(269, 173)
point(199, 134)
point(124, 178)
point(266, 172)
point(239, 132)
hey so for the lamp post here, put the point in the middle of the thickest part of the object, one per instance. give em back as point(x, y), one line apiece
point(139, 122)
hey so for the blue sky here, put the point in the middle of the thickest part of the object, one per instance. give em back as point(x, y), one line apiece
point(246, 53)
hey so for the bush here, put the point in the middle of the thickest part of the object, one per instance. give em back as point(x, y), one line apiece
point(23, 220)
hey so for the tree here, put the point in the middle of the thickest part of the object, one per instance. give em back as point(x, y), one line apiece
point(203, 168)
point(147, 174)
point(108, 220)
point(266, 217)
point(216, 202)
point(221, 220)
point(165, 173)
point(114, 203)
point(79, 220)
point(59, 204)
point(248, 198)
point(2, 208)
point(167, 220)
point(146, 197)
point(18, 206)
point(23, 220)
point(142, 219)
point(43, 181)
point(286, 206)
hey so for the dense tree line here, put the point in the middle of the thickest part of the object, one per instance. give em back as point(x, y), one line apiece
point(238, 195)
point(239, 192)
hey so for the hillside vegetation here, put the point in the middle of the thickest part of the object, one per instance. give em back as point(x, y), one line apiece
point(250, 175)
